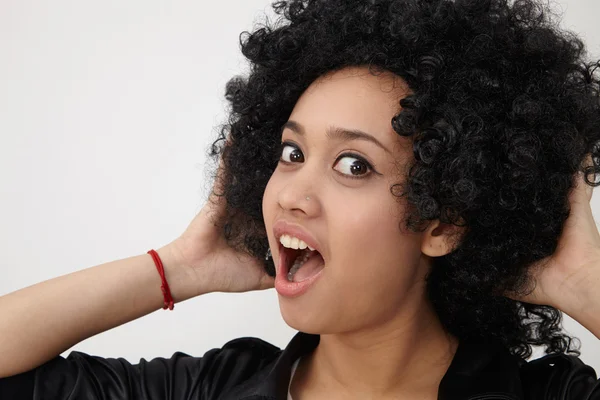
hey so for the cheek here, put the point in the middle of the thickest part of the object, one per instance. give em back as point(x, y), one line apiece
point(368, 219)
point(269, 200)
point(372, 251)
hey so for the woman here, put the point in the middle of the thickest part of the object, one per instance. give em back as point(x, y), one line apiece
point(410, 170)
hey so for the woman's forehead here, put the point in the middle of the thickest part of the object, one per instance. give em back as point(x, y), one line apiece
point(353, 99)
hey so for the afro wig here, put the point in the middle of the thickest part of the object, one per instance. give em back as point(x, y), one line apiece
point(503, 110)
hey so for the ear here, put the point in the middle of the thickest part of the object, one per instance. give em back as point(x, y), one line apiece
point(440, 239)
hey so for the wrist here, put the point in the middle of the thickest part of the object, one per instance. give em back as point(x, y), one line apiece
point(181, 279)
point(581, 301)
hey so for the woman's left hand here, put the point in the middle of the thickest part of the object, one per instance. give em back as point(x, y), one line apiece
point(573, 270)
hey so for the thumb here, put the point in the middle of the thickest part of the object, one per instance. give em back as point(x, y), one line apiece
point(266, 282)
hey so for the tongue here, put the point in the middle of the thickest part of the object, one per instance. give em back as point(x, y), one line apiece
point(314, 264)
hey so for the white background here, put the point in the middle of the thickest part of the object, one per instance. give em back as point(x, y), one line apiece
point(106, 112)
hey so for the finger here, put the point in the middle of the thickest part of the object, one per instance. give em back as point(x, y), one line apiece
point(579, 199)
point(582, 191)
point(219, 183)
point(216, 197)
point(589, 190)
point(267, 282)
point(588, 161)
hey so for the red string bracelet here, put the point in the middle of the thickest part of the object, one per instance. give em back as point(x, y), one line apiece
point(165, 286)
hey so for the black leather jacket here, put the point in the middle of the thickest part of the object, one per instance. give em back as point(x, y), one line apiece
point(250, 368)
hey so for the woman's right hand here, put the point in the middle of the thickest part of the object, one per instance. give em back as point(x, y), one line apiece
point(203, 249)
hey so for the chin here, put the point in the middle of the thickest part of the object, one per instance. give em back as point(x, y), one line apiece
point(303, 319)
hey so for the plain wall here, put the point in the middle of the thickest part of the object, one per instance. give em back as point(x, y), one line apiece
point(106, 112)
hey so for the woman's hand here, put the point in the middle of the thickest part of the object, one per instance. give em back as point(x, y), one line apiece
point(203, 249)
point(574, 268)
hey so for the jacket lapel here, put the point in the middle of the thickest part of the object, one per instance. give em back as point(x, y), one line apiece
point(272, 381)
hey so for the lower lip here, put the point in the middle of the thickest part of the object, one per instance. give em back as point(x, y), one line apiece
point(291, 289)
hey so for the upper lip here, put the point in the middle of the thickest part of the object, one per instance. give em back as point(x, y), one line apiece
point(282, 227)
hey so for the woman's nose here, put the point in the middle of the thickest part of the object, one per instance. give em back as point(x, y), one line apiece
point(298, 194)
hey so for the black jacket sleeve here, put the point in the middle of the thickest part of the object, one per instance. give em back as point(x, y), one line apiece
point(83, 376)
point(560, 376)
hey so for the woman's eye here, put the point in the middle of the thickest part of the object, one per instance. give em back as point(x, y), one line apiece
point(353, 166)
point(292, 153)
point(350, 165)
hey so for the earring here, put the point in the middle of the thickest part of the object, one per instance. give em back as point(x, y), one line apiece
point(268, 254)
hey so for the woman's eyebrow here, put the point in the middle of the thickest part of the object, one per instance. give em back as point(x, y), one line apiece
point(336, 133)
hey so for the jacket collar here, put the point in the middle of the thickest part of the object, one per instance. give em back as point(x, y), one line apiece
point(481, 368)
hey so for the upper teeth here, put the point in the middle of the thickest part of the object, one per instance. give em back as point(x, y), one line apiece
point(294, 243)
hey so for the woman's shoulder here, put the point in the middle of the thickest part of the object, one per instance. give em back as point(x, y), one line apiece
point(181, 375)
point(560, 376)
point(251, 349)
point(254, 344)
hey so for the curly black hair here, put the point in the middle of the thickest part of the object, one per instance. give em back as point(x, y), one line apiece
point(503, 110)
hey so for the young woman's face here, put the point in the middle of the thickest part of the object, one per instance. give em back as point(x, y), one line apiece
point(373, 269)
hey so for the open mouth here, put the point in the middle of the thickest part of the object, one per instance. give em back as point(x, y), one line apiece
point(300, 265)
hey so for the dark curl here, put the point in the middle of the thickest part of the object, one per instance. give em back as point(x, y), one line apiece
point(503, 111)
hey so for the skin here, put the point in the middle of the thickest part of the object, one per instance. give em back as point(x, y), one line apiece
point(380, 337)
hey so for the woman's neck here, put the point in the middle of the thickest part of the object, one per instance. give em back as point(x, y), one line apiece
point(398, 360)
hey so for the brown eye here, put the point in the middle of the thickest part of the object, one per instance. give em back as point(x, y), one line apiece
point(291, 154)
point(353, 166)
